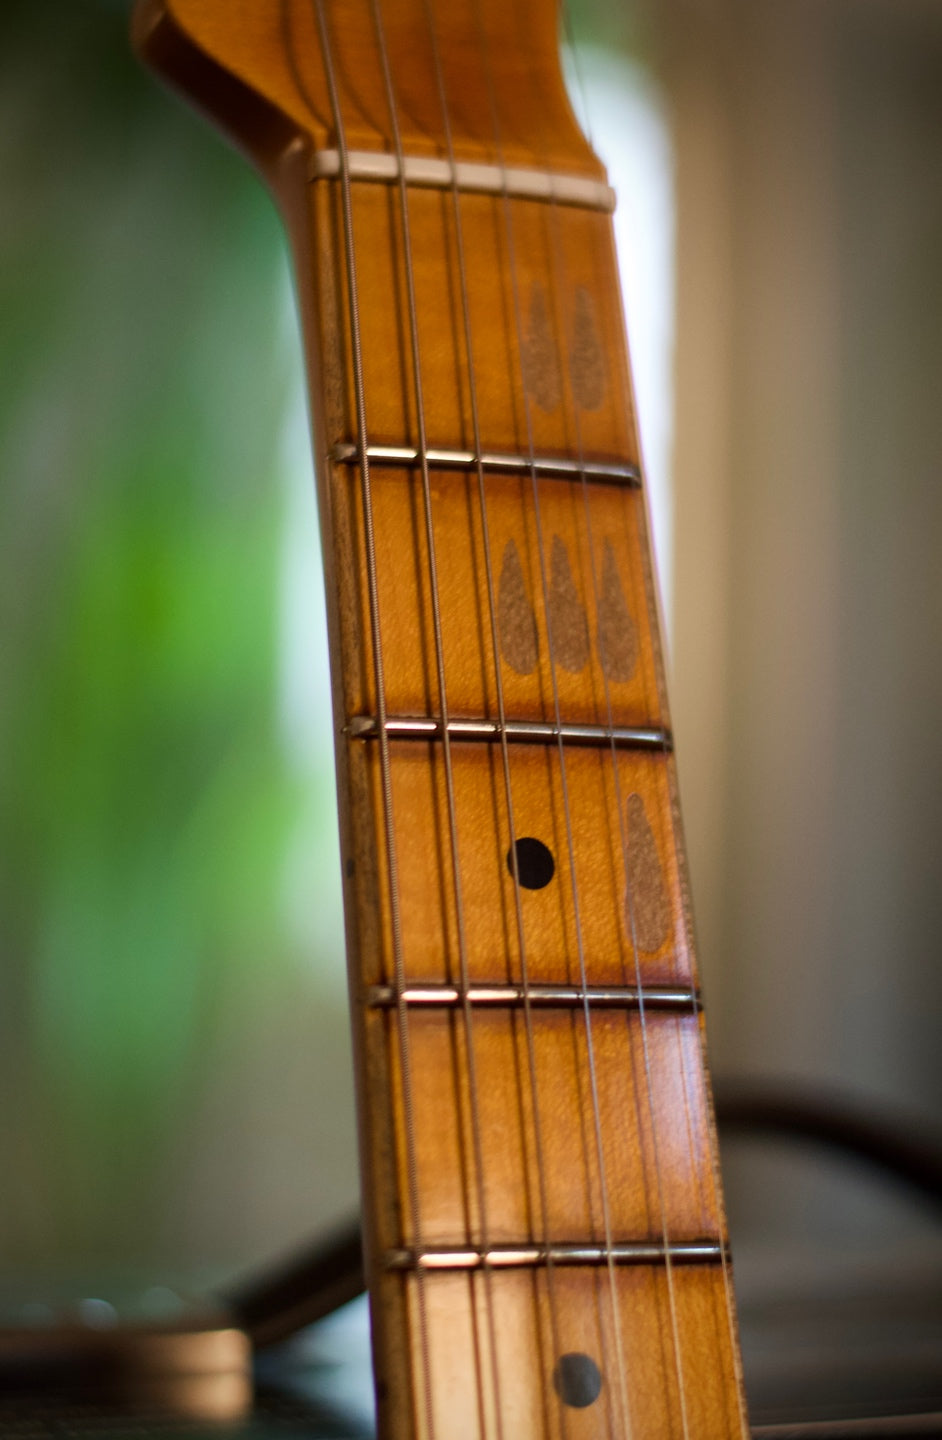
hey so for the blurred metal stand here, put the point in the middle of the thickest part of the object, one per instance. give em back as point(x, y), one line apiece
point(201, 1369)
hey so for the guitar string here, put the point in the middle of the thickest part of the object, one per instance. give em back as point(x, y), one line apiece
point(696, 1006)
point(584, 120)
point(691, 1081)
point(590, 1051)
point(566, 16)
point(499, 688)
point(560, 269)
point(676, 839)
point(456, 878)
point(700, 1077)
point(619, 1368)
point(562, 285)
point(379, 680)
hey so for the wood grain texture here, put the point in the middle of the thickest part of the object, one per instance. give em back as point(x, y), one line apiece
point(506, 1125)
point(493, 56)
point(467, 534)
point(579, 919)
point(548, 1170)
point(576, 1310)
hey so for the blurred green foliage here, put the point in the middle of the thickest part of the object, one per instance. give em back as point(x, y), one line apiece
point(171, 972)
point(149, 804)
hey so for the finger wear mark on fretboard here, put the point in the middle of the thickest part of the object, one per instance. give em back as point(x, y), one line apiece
point(540, 359)
point(647, 906)
point(617, 632)
point(515, 620)
point(570, 638)
point(586, 360)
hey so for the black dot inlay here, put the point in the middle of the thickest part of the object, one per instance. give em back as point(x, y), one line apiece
point(577, 1380)
point(535, 864)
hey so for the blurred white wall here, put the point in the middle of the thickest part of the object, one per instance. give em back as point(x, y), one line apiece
point(808, 533)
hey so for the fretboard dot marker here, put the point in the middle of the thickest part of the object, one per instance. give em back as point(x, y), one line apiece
point(535, 866)
point(577, 1380)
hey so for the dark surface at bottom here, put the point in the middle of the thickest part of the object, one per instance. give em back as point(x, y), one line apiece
point(818, 1350)
point(282, 1418)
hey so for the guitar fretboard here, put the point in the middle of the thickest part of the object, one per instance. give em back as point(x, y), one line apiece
point(547, 1239)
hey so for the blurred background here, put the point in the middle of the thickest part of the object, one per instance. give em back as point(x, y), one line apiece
point(176, 1102)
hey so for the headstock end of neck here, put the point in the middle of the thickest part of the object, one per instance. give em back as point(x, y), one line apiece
point(170, 40)
point(478, 82)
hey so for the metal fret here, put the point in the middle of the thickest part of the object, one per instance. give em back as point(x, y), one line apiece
point(534, 732)
point(550, 467)
point(515, 1257)
point(469, 177)
point(628, 997)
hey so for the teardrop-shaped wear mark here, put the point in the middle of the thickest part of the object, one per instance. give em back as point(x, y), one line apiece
point(541, 362)
point(647, 907)
point(515, 623)
point(617, 633)
point(570, 637)
point(586, 360)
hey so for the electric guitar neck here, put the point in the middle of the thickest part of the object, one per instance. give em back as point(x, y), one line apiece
point(546, 1245)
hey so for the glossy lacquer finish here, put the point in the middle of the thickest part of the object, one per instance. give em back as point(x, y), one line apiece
point(546, 1240)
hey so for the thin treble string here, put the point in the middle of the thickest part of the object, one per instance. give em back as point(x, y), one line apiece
point(696, 1011)
point(419, 390)
point(561, 286)
point(560, 268)
point(590, 1051)
point(378, 671)
point(690, 1082)
point(678, 850)
point(501, 709)
point(675, 838)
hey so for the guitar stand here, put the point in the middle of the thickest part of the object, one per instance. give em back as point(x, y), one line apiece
point(201, 1367)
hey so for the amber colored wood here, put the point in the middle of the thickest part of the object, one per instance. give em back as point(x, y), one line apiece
point(578, 1310)
point(541, 1133)
point(586, 523)
point(556, 941)
point(270, 49)
point(554, 271)
point(508, 1125)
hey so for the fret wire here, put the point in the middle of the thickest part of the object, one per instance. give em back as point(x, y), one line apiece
point(531, 451)
point(478, 460)
point(525, 1256)
point(423, 461)
point(630, 997)
point(428, 727)
point(558, 264)
point(555, 467)
point(378, 671)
